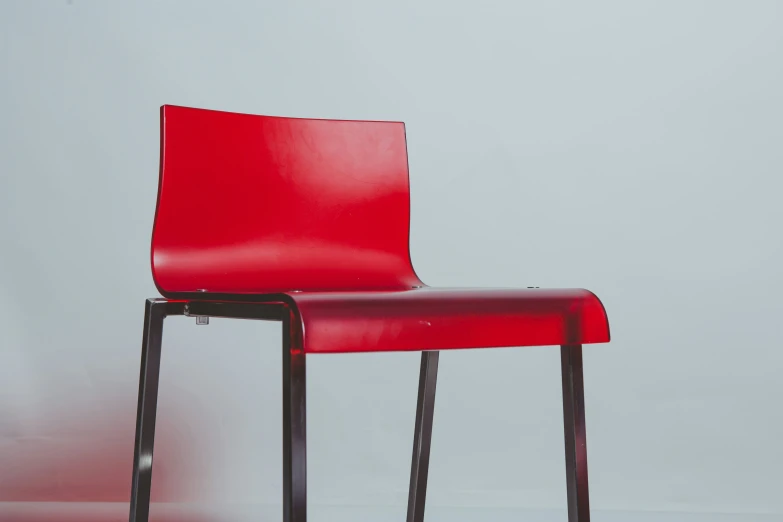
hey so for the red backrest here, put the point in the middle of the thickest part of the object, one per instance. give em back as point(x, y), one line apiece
point(265, 204)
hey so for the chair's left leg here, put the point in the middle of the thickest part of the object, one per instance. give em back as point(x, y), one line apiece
point(154, 313)
point(294, 429)
point(575, 443)
point(425, 410)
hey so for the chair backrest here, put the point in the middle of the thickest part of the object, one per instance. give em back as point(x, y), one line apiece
point(259, 204)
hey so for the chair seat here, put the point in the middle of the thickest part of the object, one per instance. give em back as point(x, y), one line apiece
point(444, 319)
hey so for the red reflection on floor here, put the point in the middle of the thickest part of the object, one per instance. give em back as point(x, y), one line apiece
point(93, 512)
point(72, 460)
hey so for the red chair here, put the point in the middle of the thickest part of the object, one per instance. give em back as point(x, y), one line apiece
point(306, 222)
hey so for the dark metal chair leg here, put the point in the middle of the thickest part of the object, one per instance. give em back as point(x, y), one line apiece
point(154, 313)
point(575, 442)
point(425, 409)
point(294, 430)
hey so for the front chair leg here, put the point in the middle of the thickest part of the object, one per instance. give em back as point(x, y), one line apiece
point(294, 429)
point(154, 313)
point(425, 409)
point(575, 442)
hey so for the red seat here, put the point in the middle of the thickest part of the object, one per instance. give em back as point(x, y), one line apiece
point(318, 211)
point(442, 319)
point(307, 221)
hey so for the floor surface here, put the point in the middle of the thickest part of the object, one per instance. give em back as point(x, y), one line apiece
point(118, 512)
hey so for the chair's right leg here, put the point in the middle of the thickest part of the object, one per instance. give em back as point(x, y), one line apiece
point(574, 423)
point(425, 410)
point(294, 428)
point(154, 313)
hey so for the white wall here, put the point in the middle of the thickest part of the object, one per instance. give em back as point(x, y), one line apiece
point(633, 148)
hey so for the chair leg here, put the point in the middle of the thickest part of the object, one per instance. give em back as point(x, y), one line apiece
point(575, 442)
point(425, 409)
point(294, 430)
point(154, 313)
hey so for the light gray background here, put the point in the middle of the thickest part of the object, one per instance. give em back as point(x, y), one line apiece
point(633, 148)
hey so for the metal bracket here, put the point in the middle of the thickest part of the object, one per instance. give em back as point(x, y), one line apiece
point(200, 319)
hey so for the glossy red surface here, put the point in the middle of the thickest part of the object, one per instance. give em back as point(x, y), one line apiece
point(315, 214)
point(441, 319)
point(262, 204)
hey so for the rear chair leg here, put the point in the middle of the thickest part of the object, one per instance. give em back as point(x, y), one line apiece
point(154, 313)
point(294, 430)
point(425, 408)
point(575, 442)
